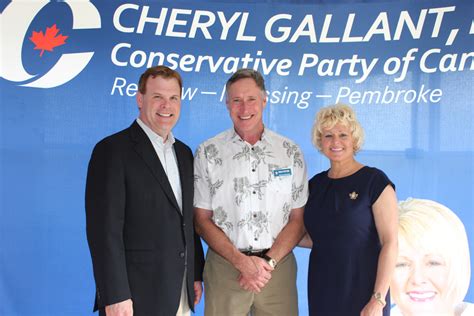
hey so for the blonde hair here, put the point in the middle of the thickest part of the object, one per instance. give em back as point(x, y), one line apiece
point(431, 226)
point(329, 116)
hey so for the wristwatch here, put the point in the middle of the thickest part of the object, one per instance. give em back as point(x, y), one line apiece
point(272, 262)
point(378, 297)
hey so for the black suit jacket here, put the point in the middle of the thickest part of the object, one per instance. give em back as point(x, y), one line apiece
point(139, 241)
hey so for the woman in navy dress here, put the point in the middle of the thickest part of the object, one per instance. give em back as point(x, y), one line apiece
point(351, 223)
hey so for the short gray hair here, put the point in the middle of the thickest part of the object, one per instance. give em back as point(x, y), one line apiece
point(246, 73)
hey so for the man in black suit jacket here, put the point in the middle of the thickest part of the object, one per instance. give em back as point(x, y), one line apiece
point(146, 257)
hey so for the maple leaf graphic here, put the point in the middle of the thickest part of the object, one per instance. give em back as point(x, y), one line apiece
point(49, 40)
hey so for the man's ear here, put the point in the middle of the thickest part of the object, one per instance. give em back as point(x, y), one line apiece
point(265, 101)
point(227, 101)
point(139, 99)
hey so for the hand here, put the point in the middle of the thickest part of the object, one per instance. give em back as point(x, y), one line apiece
point(259, 278)
point(197, 292)
point(124, 308)
point(373, 308)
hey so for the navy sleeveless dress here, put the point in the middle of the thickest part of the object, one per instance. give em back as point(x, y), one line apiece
point(346, 247)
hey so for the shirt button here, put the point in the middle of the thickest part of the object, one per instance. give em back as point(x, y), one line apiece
point(184, 225)
point(253, 148)
point(254, 215)
point(254, 192)
point(181, 254)
point(255, 239)
point(253, 170)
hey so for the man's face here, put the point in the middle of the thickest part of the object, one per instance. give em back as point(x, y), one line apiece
point(246, 102)
point(160, 105)
point(420, 282)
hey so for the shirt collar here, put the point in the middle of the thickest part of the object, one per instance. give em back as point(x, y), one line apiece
point(154, 137)
point(234, 137)
point(265, 135)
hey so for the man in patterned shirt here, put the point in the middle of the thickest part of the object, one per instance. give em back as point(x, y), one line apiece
point(250, 190)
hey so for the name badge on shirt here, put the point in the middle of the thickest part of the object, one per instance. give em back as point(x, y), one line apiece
point(283, 172)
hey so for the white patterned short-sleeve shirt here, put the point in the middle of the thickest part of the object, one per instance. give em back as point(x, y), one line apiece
point(250, 189)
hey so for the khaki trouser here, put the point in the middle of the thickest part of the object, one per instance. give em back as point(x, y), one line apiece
point(224, 296)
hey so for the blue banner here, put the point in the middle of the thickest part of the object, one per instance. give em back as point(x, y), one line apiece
point(69, 73)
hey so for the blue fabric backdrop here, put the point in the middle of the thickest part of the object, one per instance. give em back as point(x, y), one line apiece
point(405, 67)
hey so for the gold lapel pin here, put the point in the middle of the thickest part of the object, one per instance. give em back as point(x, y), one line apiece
point(353, 195)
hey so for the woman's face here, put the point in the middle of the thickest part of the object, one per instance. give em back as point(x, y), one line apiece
point(337, 143)
point(420, 282)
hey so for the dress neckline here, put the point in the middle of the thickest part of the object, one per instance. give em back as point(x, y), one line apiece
point(345, 177)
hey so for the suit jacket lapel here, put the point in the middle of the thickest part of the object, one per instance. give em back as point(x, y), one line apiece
point(145, 149)
point(184, 173)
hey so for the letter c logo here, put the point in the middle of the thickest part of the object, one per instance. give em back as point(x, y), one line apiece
point(18, 16)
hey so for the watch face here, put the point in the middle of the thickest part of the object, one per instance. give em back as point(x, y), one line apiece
point(272, 263)
point(378, 297)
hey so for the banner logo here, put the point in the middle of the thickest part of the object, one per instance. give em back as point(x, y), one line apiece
point(49, 40)
point(17, 16)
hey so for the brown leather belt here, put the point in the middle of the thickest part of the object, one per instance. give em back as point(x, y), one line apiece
point(258, 253)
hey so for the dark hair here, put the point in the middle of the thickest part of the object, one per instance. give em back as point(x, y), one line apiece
point(158, 71)
point(246, 73)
